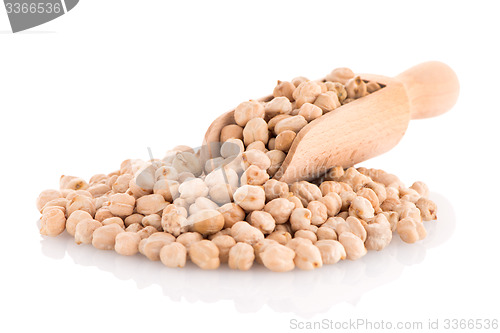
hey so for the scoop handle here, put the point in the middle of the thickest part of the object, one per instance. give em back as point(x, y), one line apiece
point(432, 89)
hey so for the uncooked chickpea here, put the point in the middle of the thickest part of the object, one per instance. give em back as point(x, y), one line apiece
point(192, 189)
point(263, 221)
point(224, 243)
point(47, 196)
point(200, 204)
point(221, 193)
point(256, 157)
point(341, 75)
point(134, 227)
point(285, 89)
point(273, 121)
point(278, 258)
point(113, 219)
point(306, 92)
point(371, 196)
point(409, 194)
point(254, 176)
point(150, 204)
point(300, 218)
point(222, 176)
point(319, 212)
point(276, 157)
point(151, 246)
point(121, 184)
point(307, 257)
point(326, 233)
point(231, 147)
point(188, 238)
point(278, 105)
point(166, 172)
point(99, 190)
point(378, 235)
point(372, 86)
point(307, 234)
point(74, 219)
point(103, 237)
point(72, 183)
point(298, 80)
point(127, 243)
point(310, 111)
point(333, 203)
point(205, 254)
point(280, 236)
point(410, 230)
point(331, 251)
point(187, 162)
point(247, 111)
point(173, 255)
point(338, 88)
point(356, 227)
point(52, 222)
point(362, 208)
point(85, 230)
point(244, 232)
point(232, 131)
point(327, 101)
point(168, 189)
point(421, 188)
point(284, 140)
point(271, 144)
point(81, 202)
point(121, 204)
point(280, 209)
point(241, 256)
point(103, 213)
point(206, 222)
point(427, 208)
point(153, 220)
point(255, 130)
point(305, 191)
point(275, 189)
point(99, 178)
point(295, 200)
point(293, 123)
point(232, 213)
point(250, 197)
point(353, 245)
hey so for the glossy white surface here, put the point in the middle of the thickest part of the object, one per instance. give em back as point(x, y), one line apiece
point(84, 92)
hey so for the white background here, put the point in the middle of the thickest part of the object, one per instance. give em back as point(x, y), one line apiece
point(101, 84)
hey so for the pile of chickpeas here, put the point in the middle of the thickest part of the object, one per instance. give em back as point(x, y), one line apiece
point(229, 209)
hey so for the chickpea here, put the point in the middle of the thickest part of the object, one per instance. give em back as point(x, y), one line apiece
point(80, 202)
point(134, 218)
point(271, 124)
point(280, 209)
point(189, 238)
point(306, 92)
point(305, 191)
point(101, 201)
point(293, 123)
point(326, 233)
point(150, 204)
point(256, 157)
point(232, 213)
point(206, 222)
point(85, 230)
point(250, 197)
point(319, 212)
point(275, 189)
point(254, 176)
point(221, 193)
point(173, 255)
point(341, 75)
point(183, 176)
point(278, 258)
point(53, 222)
point(427, 209)
point(192, 189)
point(310, 111)
point(168, 189)
point(331, 251)
point(353, 245)
point(307, 257)
point(412, 212)
point(187, 162)
point(338, 88)
point(378, 236)
point(296, 201)
point(146, 232)
point(362, 208)
point(327, 101)
point(153, 220)
point(329, 186)
point(202, 203)
point(255, 130)
point(103, 213)
point(244, 232)
point(410, 230)
point(72, 183)
point(115, 220)
point(151, 246)
point(278, 105)
point(343, 215)
point(231, 132)
point(121, 204)
point(353, 225)
point(74, 219)
point(103, 237)
point(127, 243)
point(271, 144)
point(421, 189)
point(134, 227)
point(247, 111)
point(298, 80)
point(98, 179)
point(300, 218)
point(280, 236)
point(59, 204)
point(285, 227)
point(307, 234)
point(262, 221)
point(277, 157)
point(408, 194)
point(333, 203)
point(46, 196)
point(372, 86)
point(285, 89)
point(205, 254)
point(371, 196)
point(232, 147)
point(284, 140)
point(222, 176)
point(241, 256)
point(224, 244)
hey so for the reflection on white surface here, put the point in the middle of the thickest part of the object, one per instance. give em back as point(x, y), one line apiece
point(300, 292)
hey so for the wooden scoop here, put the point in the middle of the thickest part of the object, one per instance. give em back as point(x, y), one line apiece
point(364, 128)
